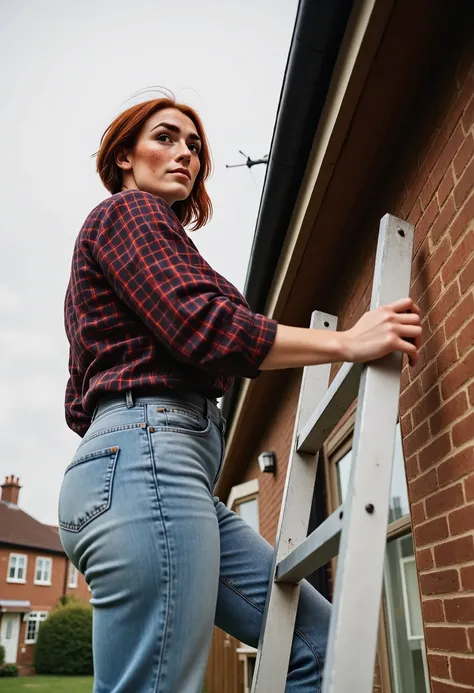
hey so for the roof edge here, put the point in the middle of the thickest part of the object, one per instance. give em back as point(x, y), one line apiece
point(317, 36)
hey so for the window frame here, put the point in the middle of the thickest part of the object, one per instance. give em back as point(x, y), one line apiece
point(73, 571)
point(241, 493)
point(406, 601)
point(16, 580)
point(42, 582)
point(40, 617)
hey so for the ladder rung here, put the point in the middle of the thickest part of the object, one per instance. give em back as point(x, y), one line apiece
point(316, 550)
point(337, 400)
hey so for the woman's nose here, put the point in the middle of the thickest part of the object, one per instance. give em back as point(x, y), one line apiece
point(183, 153)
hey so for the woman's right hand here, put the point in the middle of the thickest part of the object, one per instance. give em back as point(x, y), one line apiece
point(383, 330)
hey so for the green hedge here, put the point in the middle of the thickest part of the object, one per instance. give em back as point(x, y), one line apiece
point(64, 645)
point(8, 670)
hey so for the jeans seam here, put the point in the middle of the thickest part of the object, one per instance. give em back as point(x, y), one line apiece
point(297, 630)
point(169, 586)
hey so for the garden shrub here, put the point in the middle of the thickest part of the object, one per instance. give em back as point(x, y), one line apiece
point(64, 645)
point(8, 670)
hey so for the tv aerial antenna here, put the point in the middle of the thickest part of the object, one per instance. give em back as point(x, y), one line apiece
point(250, 162)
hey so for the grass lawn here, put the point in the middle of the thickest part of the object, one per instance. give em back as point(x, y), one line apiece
point(47, 684)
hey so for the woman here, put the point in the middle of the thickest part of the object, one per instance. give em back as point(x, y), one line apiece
point(155, 337)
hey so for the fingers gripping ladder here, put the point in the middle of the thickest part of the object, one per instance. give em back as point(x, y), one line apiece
point(357, 530)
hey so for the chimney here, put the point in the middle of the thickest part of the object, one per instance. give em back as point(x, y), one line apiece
point(11, 489)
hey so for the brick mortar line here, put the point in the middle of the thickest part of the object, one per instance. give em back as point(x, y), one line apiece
point(432, 439)
point(448, 626)
point(432, 245)
point(441, 296)
point(453, 683)
point(438, 463)
point(468, 564)
point(447, 513)
point(444, 401)
point(436, 244)
point(444, 487)
point(450, 681)
point(435, 570)
point(433, 544)
point(440, 595)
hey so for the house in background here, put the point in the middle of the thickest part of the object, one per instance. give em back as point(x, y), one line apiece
point(34, 574)
point(376, 115)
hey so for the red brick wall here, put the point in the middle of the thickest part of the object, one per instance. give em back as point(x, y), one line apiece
point(437, 398)
point(437, 402)
point(276, 437)
point(41, 597)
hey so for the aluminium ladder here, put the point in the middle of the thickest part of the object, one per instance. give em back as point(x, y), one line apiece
point(357, 530)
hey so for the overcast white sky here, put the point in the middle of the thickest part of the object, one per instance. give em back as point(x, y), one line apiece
point(67, 70)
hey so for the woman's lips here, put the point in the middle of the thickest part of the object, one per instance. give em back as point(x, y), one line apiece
point(182, 173)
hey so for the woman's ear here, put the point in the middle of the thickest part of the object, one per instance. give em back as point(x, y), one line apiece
point(123, 159)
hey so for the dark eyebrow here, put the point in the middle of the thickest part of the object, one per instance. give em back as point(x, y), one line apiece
point(175, 128)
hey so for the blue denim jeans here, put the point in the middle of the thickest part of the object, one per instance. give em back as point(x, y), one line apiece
point(165, 560)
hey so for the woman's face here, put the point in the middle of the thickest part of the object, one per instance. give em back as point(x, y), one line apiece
point(165, 159)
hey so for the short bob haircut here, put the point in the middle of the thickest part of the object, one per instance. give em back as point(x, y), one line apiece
point(196, 209)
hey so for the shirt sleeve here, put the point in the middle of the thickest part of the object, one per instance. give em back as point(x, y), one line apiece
point(191, 309)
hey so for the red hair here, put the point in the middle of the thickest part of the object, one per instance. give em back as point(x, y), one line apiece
point(124, 131)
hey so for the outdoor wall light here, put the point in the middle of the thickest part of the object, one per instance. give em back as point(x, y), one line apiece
point(267, 462)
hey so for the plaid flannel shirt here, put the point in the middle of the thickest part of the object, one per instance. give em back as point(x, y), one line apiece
point(143, 309)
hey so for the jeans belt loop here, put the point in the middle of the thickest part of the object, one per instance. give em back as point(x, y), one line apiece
point(129, 399)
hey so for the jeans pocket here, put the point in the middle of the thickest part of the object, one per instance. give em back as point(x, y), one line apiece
point(182, 419)
point(86, 491)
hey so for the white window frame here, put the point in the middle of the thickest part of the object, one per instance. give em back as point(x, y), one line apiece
point(73, 576)
point(42, 581)
point(406, 604)
point(245, 653)
point(37, 617)
point(244, 492)
point(15, 579)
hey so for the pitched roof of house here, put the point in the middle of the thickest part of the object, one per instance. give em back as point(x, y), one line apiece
point(20, 529)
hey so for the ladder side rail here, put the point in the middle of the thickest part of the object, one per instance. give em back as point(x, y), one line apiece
point(279, 616)
point(353, 631)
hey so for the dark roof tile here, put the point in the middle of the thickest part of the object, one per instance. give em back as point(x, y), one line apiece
point(20, 529)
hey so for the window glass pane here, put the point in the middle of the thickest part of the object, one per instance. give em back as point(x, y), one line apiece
point(405, 631)
point(12, 571)
point(47, 570)
point(398, 496)
point(248, 511)
point(32, 623)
